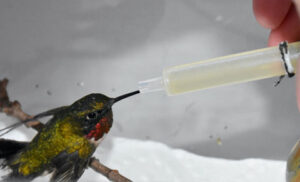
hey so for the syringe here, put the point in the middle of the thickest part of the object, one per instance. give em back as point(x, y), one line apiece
point(237, 68)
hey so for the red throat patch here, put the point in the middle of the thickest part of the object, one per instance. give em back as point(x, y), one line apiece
point(100, 129)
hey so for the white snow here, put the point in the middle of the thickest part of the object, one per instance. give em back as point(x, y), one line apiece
point(152, 161)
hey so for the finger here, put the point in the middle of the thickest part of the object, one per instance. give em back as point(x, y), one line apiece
point(289, 29)
point(270, 13)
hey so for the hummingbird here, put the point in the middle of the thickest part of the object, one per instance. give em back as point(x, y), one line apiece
point(65, 144)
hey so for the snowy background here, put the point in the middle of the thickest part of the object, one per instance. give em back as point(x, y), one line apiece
point(55, 52)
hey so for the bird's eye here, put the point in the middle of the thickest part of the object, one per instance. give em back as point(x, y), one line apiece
point(91, 115)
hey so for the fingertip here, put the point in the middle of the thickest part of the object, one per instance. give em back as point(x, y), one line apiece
point(270, 13)
point(289, 30)
point(276, 37)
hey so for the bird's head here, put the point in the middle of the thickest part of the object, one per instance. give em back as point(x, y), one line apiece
point(95, 114)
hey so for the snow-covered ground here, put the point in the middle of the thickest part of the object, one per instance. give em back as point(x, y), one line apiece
point(148, 161)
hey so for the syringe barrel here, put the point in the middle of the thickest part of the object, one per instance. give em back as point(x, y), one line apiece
point(237, 68)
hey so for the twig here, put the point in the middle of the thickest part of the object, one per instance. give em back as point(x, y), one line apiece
point(14, 109)
point(111, 174)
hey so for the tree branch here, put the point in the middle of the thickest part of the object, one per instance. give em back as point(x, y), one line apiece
point(112, 175)
point(14, 109)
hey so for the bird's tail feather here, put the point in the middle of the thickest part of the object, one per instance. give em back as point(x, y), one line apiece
point(8, 148)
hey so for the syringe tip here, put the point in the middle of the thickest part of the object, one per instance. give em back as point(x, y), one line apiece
point(151, 85)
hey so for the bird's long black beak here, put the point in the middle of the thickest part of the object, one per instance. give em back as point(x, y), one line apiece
point(117, 99)
point(121, 97)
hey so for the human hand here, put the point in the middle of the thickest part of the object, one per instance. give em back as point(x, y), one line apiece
point(282, 18)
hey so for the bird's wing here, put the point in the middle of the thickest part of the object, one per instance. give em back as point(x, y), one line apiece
point(68, 167)
point(9, 128)
point(48, 113)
